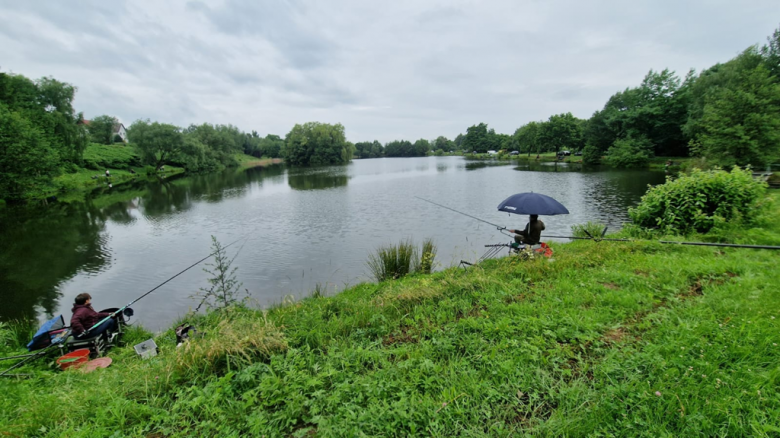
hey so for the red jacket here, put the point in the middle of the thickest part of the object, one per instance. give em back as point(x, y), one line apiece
point(84, 317)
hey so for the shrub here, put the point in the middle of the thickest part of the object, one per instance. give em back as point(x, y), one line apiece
point(225, 289)
point(698, 201)
point(629, 152)
point(591, 155)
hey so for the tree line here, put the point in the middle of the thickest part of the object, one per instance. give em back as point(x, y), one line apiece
point(729, 114)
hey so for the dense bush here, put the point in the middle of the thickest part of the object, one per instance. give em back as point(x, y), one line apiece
point(699, 201)
point(591, 155)
point(629, 152)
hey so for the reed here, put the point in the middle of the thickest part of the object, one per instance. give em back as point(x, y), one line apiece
point(392, 261)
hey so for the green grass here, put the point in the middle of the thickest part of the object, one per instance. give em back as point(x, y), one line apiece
point(605, 339)
point(114, 156)
point(245, 160)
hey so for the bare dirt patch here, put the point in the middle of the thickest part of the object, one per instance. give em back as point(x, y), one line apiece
point(612, 286)
point(614, 336)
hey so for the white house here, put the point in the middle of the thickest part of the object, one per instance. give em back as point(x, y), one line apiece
point(119, 129)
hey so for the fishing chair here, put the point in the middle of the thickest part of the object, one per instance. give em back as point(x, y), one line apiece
point(100, 343)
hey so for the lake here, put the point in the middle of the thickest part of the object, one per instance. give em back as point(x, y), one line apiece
point(299, 227)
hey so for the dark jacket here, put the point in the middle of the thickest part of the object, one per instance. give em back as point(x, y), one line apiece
point(533, 232)
point(84, 317)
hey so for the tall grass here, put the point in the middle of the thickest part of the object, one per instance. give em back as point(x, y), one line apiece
point(395, 261)
point(581, 230)
point(425, 262)
point(392, 261)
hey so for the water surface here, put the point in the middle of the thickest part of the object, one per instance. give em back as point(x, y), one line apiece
point(304, 226)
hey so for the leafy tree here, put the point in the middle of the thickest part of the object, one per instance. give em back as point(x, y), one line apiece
point(771, 53)
point(476, 139)
point(222, 142)
point(48, 105)
point(561, 132)
point(157, 142)
point(591, 155)
point(630, 152)
point(657, 110)
point(59, 120)
point(740, 123)
point(527, 137)
point(317, 143)
point(27, 160)
point(459, 142)
point(443, 144)
point(272, 146)
point(400, 148)
point(101, 129)
point(421, 147)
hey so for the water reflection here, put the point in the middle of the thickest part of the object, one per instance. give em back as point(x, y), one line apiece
point(318, 178)
point(474, 165)
point(121, 242)
point(45, 247)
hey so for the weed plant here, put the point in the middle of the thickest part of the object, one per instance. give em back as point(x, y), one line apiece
point(425, 262)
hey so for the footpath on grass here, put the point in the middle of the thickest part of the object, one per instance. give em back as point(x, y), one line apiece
point(605, 338)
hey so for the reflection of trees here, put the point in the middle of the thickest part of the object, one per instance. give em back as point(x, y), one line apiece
point(312, 179)
point(474, 165)
point(42, 247)
point(166, 197)
point(535, 166)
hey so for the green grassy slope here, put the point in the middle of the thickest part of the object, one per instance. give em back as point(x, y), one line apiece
point(625, 339)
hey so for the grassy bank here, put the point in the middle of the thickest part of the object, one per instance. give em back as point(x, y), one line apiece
point(658, 163)
point(123, 164)
point(628, 339)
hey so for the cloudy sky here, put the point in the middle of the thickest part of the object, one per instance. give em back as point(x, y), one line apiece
point(386, 70)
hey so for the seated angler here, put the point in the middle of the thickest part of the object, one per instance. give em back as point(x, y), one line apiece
point(532, 234)
point(84, 317)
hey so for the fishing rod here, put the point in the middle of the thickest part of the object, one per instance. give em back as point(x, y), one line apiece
point(27, 359)
point(598, 239)
point(154, 289)
point(499, 227)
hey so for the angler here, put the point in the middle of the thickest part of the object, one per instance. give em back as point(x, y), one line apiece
point(537, 204)
point(54, 333)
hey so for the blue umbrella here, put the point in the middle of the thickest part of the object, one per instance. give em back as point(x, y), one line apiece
point(532, 203)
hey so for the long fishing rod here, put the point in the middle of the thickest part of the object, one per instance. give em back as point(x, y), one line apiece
point(499, 227)
point(668, 242)
point(154, 289)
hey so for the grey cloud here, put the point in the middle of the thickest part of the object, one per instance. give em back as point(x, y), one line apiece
point(280, 22)
point(403, 68)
